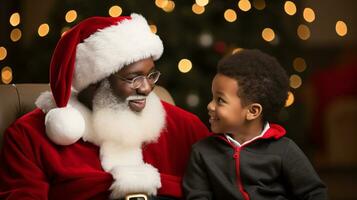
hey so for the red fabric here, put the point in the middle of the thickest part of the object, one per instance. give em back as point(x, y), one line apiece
point(62, 62)
point(32, 167)
point(330, 85)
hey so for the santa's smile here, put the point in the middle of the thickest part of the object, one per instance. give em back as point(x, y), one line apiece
point(137, 104)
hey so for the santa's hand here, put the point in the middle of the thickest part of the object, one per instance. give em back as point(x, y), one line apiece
point(143, 178)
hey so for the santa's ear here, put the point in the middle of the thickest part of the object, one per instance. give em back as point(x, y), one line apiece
point(254, 111)
point(86, 95)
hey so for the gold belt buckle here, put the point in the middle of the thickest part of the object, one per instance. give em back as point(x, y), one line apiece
point(136, 197)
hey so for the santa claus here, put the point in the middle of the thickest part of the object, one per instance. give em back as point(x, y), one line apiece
point(101, 132)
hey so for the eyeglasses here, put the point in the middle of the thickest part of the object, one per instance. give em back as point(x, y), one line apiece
point(138, 81)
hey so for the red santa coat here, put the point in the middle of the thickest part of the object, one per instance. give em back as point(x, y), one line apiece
point(32, 167)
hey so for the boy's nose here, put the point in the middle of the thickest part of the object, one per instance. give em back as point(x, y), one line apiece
point(210, 106)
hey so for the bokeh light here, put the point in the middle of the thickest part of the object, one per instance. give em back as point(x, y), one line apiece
point(15, 19)
point(115, 11)
point(303, 32)
point(6, 75)
point(71, 16)
point(15, 35)
point(309, 15)
point(3, 53)
point(268, 34)
point(295, 81)
point(290, 8)
point(185, 65)
point(43, 30)
point(341, 28)
point(230, 15)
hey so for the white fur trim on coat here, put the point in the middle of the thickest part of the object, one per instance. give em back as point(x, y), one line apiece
point(108, 50)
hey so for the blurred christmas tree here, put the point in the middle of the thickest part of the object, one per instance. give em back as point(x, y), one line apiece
point(196, 34)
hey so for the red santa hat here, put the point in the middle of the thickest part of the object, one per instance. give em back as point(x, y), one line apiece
point(89, 52)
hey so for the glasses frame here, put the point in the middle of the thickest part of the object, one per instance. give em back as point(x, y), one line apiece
point(142, 77)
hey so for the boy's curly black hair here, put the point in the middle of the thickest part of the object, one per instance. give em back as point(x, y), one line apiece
point(261, 79)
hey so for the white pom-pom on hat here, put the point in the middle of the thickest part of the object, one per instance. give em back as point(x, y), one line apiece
point(64, 126)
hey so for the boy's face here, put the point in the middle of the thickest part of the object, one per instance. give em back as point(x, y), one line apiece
point(226, 112)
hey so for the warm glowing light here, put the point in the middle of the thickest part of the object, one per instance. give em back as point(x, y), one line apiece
point(244, 5)
point(295, 81)
point(71, 16)
point(237, 50)
point(268, 34)
point(198, 9)
point(184, 65)
point(202, 2)
point(43, 30)
point(309, 15)
point(3, 53)
point(6, 75)
point(290, 100)
point(303, 32)
point(341, 28)
point(299, 64)
point(230, 15)
point(259, 4)
point(169, 7)
point(161, 3)
point(290, 7)
point(115, 11)
point(15, 19)
point(153, 28)
point(15, 35)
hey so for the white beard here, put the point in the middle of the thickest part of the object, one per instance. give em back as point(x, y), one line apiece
point(120, 133)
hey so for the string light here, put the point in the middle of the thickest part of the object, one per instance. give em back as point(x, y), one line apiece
point(71, 16)
point(6, 75)
point(3, 53)
point(202, 2)
point(299, 64)
point(244, 5)
point(153, 28)
point(309, 15)
point(15, 19)
point(303, 32)
point(290, 99)
point(295, 81)
point(43, 30)
point(341, 28)
point(15, 35)
point(268, 34)
point(161, 3)
point(259, 4)
point(169, 7)
point(290, 8)
point(185, 65)
point(115, 11)
point(230, 15)
point(198, 9)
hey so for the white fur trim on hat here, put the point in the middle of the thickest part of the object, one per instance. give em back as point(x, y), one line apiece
point(108, 50)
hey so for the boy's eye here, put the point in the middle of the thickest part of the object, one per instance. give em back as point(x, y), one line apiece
point(220, 100)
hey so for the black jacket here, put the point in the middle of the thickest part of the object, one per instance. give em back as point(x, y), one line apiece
point(269, 167)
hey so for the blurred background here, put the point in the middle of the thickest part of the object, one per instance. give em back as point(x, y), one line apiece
point(315, 41)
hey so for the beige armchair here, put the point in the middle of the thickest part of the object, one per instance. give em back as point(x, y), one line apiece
point(18, 99)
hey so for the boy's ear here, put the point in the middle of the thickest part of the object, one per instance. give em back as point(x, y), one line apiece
point(254, 111)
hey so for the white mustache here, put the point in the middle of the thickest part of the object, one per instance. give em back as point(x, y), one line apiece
point(136, 97)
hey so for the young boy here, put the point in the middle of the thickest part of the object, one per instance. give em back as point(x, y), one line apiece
point(249, 158)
